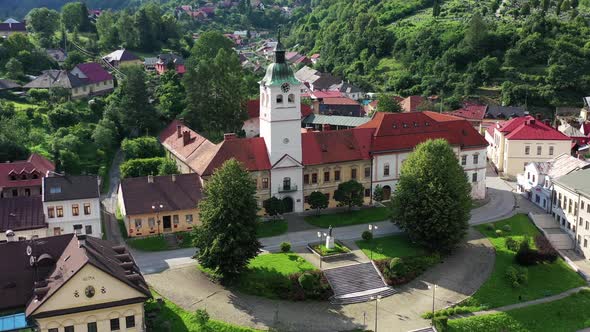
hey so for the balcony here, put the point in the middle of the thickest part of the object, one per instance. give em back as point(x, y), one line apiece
point(287, 189)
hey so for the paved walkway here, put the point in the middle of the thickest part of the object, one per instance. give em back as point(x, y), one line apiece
point(458, 277)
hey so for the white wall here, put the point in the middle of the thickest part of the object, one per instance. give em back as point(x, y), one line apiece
point(67, 222)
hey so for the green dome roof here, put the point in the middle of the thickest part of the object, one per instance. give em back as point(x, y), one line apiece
point(279, 73)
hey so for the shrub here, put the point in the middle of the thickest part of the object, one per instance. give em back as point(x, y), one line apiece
point(499, 233)
point(202, 317)
point(142, 147)
point(517, 276)
point(490, 227)
point(507, 228)
point(440, 323)
point(367, 236)
point(397, 268)
point(285, 246)
point(546, 251)
point(308, 281)
point(141, 167)
point(512, 244)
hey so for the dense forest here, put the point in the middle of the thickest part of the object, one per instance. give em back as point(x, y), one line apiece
point(533, 52)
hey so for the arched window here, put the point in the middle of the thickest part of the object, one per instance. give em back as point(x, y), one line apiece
point(286, 183)
point(291, 98)
point(279, 99)
point(386, 170)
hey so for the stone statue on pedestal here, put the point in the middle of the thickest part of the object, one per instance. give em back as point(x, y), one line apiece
point(330, 239)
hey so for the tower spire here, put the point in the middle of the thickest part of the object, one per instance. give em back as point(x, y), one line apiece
point(279, 50)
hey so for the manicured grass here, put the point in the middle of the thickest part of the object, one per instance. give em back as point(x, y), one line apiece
point(324, 251)
point(390, 247)
point(567, 314)
point(173, 318)
point(267, 271)
point(152, 243)
point(348, 218)
point(271, 228)
point(543, 279)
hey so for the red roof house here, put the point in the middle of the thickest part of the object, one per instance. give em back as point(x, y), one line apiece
point(93, 72)
point(23, 178)
point(411, 103)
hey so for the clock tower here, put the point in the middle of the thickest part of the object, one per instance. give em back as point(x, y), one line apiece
point(280, 126)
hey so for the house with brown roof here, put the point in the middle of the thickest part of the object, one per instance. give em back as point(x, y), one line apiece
point(22, 218)
point(122, 57)
point(23, 177)
point(69, 283)
point(155, 205)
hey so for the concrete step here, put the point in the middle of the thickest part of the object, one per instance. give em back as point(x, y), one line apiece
point(366, 296)
point(354, 279)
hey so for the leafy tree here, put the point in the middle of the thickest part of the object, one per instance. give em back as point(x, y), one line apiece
point(274, 206)
point(64, 115)
point(318, 200)
point(74, 16)
point(141, 167)
point(127, 34)
point(168, 167)
point(43, 22)
point(378, 193)
point(226, 240)
point(142, 147)
point(14, 69)
point(74, 58)
point(170, 94)
point(106, 28)
point(432, 200)
point(106, 134)
point(349, 193)
point(436, 8)
point(386, 102)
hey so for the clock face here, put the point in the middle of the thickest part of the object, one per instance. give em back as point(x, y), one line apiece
point(285, 87)
point(285, 140)
point(89, 291)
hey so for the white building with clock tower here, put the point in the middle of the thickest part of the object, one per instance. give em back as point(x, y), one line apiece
point(280, 126)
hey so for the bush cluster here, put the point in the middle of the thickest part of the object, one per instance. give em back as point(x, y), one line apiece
point(310, 285)
point(398, 271)
point(526, 256)
point(285, 246)
point(512, 244)
point(367, 236)
point(517, 276)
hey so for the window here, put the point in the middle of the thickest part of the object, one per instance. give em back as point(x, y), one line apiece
point(367, 172)
point(189, 218)
point(264, 183)
point(569, 206)
point(138, 223)
point(587, 225)
point(55, 190)
point(533, 178)
point(306, 178)
point(306, 199)
point(463, 160)
point(50, 212)
point(151, 222)
point(75, 209)
point(279, 99)
point(175, 219)
point(581, 205)
point(527, 150)
point(579, 239)
point(368, 192)
point(27, 192)
point(286, 183)
point(326, 176)
point(328, 196)
point(550, 150)
point(14, 192)
point(581, 222)
point(539, 149)
point(475, 159)
point(585, 243)
point(115, 324)
point(386, 170)
point(69, 328)
point(314, 178)
point(130, 321)
point(92, 327)
point(86, 209)
point(353, 173)
point(88, 229)
point(291, 98)
point(337, 175)
point(474, 177)
point(60, 211)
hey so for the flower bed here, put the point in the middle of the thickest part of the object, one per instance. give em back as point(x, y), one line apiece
point(321, 250)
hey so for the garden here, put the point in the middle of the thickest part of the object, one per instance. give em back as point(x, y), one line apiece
point(526, 268)
point(348, 218)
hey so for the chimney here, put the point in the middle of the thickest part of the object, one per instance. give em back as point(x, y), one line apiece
point(326, 127)
point(81, 240)
point(186, 137)
point(229, 136)
point(10, 236)
point(173, 177)
point(538, 116)
point(150, 179)
point(532, 121)
point(547, 122)
point(179, 131)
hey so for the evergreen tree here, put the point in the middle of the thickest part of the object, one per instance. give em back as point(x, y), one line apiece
point(226, 239)
point(436, 8)
point(432, 200)
point(476, 33)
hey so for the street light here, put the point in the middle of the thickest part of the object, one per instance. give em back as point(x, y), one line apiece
point(371, 229)
point(433, 287)
point(377, 299)
point(155, 209)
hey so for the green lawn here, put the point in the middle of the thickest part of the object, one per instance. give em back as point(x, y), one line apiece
point(271, 271)
point(390, 247)
point(543, 279)
point(180, 320)
point(271, 228)
point(19, 106)
point(324, 251)
point(567, 315)
point(348, 218)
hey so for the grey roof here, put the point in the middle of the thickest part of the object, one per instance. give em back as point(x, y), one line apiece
point(56, 54)
point(307, 74)
point(567, 110)
point(171, 57)
point(55, 78)
point(345, 87)
point(504, 112)
point(62, 188)
point(572, 131)
point(578, 181)
point(10, 20)
point(150, 61)
point(335, 120)
point(8, 84)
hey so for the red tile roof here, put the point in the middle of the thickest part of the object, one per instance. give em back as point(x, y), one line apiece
point(471, 112)
point(253, 109)
point(411, 103)
point(336, 146)
point(34, 164)
point(403, 131)
point(327, 94)
point(529, 128)
point(94, 72)
point(251, 152)
point(340, 101)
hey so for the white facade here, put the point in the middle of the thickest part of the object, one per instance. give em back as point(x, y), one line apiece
point(79, 215)
point(535, 185)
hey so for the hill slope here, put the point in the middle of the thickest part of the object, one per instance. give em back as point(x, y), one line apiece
point(20, 8)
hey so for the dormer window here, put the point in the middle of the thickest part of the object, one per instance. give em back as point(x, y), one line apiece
point(427, 124)
point(35, 176)
point(55, 190)
point(23, 177)
point(279, 99)
point(415, 124)
point(12, 178)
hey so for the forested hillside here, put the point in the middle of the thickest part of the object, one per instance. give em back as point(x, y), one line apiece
point(515, 51)
point(20, 8)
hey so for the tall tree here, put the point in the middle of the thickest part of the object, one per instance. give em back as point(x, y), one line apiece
point(317, 201)
point(386, 102)
point(432, 200)
point(436, 8)
point(349, 194)
point(127, 32)
point(108, 36)
point(226, 239)
point(476, 33)
point(74, 15)
point(43, 22)
point(170, 95)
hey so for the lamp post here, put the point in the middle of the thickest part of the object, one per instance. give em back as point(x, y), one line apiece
point(433, 287)
point(156, 208)
point(377, 299)
point(371, 229)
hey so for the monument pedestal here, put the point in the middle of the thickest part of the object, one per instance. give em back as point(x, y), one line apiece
point(329, 242)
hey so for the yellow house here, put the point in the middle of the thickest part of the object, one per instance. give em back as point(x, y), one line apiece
point(155, 205)
point(521, 140)
point(73, 283)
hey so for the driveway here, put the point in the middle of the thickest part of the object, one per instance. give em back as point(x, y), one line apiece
point(459, 276)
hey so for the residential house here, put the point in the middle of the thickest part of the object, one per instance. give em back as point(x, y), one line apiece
point(584, 110)
point(521, 140)
point(505, 112)
point(411, 103)
point(160, 204)
point(6, 85)
point(575, 134)
point(22, 218)
point(72, 205)
point(69, 283)
point(340, 106)
point(471, 112)
point(283, 160)
point(122, 57)
point(348, 90)
point(94, 14)
point(536, 182)
point(571, 207)
point(168, 61)
point(57, 54)
point(85, 80)
point(23, 177)
point(251, 126)
point(8, 28)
